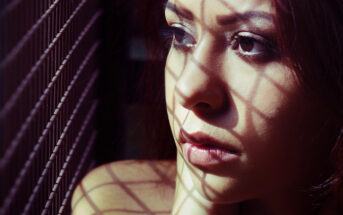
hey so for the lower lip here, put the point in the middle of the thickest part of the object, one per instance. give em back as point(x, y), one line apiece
point(207, 156)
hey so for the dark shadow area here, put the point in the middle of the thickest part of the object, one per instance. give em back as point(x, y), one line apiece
point(122, 61)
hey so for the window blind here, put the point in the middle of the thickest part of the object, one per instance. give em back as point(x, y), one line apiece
point(49, 72)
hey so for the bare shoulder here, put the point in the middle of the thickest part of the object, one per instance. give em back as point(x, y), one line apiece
point(127, 187)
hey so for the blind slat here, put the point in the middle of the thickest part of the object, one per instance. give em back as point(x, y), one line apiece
point(48, 65)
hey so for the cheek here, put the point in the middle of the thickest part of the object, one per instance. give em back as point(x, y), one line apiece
point(175, 64)
point(169, 89)
point(264, 99)
point(174, 67)
point(282, 152)
point(275, 127)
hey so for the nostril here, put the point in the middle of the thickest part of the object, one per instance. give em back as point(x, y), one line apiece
point(210, 108)
point(203, 108)
point(203, 105)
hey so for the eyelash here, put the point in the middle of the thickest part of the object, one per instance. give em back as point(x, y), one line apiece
point(179, 43)
point(267, 50)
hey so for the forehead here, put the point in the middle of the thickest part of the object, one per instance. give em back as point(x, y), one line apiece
point(222, 15)
point(210, 9)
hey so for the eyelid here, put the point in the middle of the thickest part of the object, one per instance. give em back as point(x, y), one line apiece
point(251, 35)
point(178, 25)
point(184, 27)
point(268, 52)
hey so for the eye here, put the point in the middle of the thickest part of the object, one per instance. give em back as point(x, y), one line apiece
point(182, 39)
point(253, 46)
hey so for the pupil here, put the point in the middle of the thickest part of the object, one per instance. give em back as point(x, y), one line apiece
point(179, 35)
point(246, 44)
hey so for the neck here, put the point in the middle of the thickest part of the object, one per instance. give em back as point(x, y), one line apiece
point(282, 204)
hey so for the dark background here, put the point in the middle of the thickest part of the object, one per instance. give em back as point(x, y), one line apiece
point(120, 89)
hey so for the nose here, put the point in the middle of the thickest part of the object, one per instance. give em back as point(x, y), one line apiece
point(200, 87)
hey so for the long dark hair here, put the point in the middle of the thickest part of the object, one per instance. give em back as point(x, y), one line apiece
point(157, 138)
point(310, 39)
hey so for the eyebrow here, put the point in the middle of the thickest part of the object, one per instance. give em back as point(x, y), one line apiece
point(184, 13)
point(243, 17)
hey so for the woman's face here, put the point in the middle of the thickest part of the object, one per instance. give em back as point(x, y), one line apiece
point(241, 122)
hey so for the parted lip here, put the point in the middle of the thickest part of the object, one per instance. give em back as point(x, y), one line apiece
point(205, 141)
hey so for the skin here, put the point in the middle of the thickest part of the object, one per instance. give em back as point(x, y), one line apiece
point(228, 89)
point(126, 187)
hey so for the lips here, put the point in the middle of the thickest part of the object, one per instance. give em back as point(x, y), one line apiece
point(202, 140)
point(201, 149)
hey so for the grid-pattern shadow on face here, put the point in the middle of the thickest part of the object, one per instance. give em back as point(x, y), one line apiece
point(189, 58)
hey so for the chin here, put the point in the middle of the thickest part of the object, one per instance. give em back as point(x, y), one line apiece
point(222, 189)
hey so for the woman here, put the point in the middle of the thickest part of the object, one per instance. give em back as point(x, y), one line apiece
point(254, 101)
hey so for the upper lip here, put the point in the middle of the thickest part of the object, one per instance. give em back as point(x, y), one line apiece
point(204, 140)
